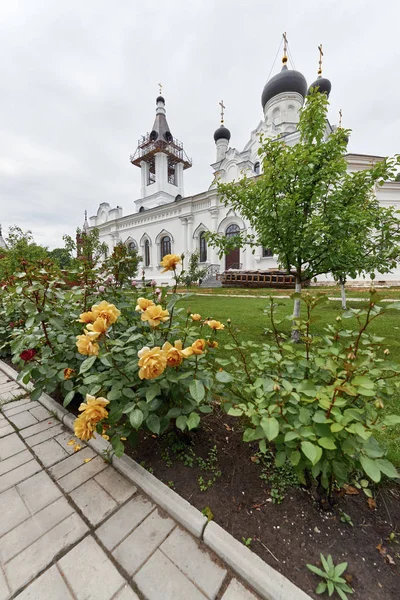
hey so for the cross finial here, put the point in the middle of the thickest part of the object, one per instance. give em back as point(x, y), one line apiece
point(340, 118)
point(222, 111)
point(85, 215)
point(320, 59)
point(160, 88)
point(285, 43)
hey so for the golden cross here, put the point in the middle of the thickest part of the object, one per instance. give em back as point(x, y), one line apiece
point(340, 118)
point(222, 111)
point(285, 43)
point(160, 87)
point(320, 59)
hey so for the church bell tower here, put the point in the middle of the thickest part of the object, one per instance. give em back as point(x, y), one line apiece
point(162, 160)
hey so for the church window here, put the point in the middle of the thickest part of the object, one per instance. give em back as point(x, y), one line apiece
point(171, 173)
point(266, 252)
point(232, 230)
point(165, 246)
point(141, 209)
point(203, 247)
point(257, 168)
point(132, 246)
point(146, 253)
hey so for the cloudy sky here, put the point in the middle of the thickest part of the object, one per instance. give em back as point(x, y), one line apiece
point(79, 81)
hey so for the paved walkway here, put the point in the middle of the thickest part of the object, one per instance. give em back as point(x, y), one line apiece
point(71, 527)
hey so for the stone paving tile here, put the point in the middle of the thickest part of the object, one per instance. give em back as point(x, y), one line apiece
point(22, 419)
point(96, 578)
point(6, 430)
point(126, 593)
point(13, 408)
point(13, 510)
point(38, 491)
point(15, 461)
point(160, 578)
point(93, 501)
point(9, 386)
point(10, 446)
point(64, 438)
point(19, 474)
point(4, 589)
point(38, 427)
point(197, 564)
point(142, 542)
point(26, 565)
point(32, 529)
point(115, 484)
point(81, 474)
point(236, 591)
point(41, 413)
point(49, 586)
point(50, 452)
point(120, 524)
point(9, 395)
point(44, 435)
point(73, 462)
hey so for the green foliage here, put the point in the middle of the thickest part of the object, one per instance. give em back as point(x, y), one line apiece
point(193, 272)
point(122, 265)
point(320, 402)
point(21, 250)
point(332, 578)
point(61, 257)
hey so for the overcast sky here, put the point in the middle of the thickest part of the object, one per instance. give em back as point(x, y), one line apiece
point(78, 83)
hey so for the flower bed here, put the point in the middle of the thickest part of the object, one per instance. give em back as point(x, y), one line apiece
point(144, 373)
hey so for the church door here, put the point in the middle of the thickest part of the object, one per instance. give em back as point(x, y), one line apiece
point(232, 259)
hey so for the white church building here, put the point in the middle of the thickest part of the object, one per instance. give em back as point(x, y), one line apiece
point(165, 221)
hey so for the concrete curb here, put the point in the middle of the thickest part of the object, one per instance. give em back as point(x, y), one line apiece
point(266, 581)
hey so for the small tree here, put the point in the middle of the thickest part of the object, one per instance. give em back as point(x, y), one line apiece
point(122, 265)
point(61, 257)
point(295, 206)
point(193, 272)
point(20, 247)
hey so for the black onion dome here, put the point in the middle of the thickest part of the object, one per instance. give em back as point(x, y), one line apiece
point(160, 99)
point(222, 133)
point(286, 81)
point(324, 85)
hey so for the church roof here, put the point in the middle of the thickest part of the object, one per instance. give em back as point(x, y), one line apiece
point(287, 80)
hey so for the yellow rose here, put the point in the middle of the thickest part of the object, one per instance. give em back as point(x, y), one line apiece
point(86, 343)
point(107, 311)
point(212, 343)
point(174, 353)
point(143, 304)
point(196, 317)
point(68, 373)
point(215, 325)
point(170, 262)
point(155, 315)
point(86, 317)
point(83, 429)
point(151, 362)
point(94, 408)
point(198, 346)
point(99, 326)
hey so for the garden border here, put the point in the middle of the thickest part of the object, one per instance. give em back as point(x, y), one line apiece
point(261, 577)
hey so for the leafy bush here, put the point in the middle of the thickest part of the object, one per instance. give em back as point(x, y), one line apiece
point(319, 402)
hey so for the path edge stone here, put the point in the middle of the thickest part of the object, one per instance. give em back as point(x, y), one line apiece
point(261, 577)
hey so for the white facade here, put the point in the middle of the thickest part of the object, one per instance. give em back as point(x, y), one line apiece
point(164, 220)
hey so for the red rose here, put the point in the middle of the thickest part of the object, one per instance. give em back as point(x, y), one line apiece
point(28, 355)
point(12, 324)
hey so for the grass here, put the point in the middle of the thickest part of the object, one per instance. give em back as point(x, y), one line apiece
point(248, 315)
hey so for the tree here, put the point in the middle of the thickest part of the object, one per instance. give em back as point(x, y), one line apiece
point(295, 206)
point(122, 265)
point(20, 247)
point(194, 272)
point(61, 257)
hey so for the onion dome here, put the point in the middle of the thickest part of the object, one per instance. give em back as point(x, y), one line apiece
point(160, 99)
point(222, 133)
point(286, 81)
point(323, 84)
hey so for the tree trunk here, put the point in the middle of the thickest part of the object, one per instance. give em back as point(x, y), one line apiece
point(296, 310)
point(343, 293)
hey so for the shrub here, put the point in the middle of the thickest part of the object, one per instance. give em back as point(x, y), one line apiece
point(318, 402)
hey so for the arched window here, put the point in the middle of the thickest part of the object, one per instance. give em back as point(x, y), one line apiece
point(232, 230)
point(146, 253)
point(257, 168)
point(141, 209)
point(165, 246)
point(266, 252)
point(132, 246)
point(203, 247)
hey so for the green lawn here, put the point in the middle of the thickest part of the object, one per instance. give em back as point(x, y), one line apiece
point(392, 293)
point(248, 315)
